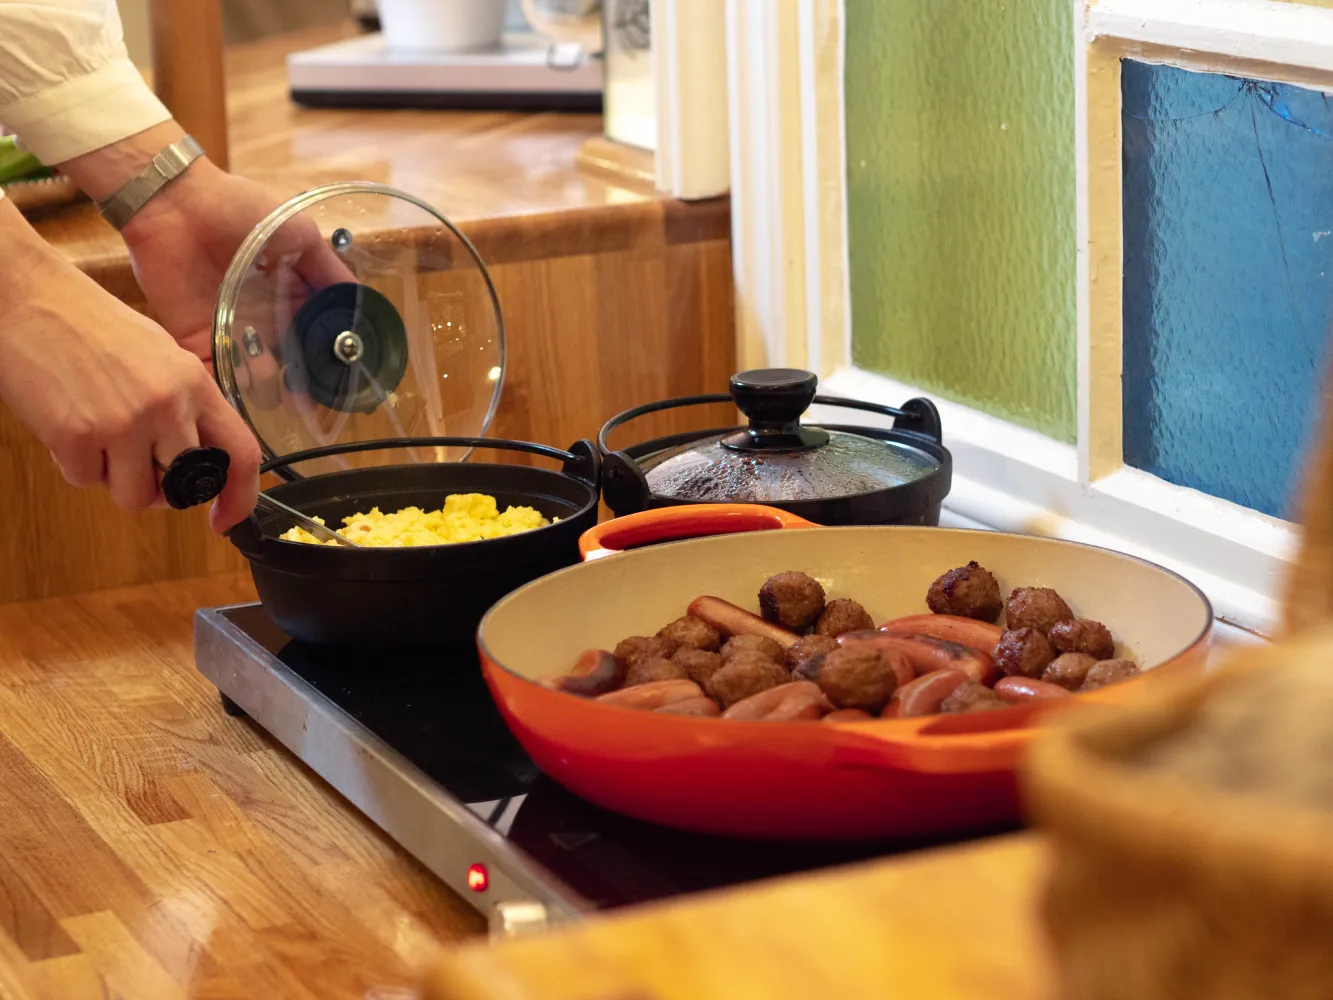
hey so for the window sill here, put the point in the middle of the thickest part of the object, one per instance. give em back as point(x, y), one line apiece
point(1009, 478)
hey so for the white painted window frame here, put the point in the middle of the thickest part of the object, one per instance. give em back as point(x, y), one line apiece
point(789, 247)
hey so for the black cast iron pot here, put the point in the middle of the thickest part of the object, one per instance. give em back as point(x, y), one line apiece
point(773, 400)
point(415, 597)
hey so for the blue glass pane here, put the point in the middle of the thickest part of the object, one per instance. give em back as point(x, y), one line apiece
point(1228, 229)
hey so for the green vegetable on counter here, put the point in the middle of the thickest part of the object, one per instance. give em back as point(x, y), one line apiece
point(18, 164)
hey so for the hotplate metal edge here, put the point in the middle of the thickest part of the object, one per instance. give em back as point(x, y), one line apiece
point(393, 793)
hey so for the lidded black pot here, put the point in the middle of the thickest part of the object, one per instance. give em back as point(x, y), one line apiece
point(832, 474)
point(359, 335)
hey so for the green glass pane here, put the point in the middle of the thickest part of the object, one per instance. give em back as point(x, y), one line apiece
point(961, 201)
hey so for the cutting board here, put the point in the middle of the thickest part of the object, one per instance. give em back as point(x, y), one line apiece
point(952, 924)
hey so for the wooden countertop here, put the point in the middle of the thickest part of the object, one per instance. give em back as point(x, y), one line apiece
point(952, 924)
point(470, 165)
point(152, 847)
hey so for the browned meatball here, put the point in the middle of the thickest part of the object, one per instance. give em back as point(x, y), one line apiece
point(1082, 635)
point(972, 697)
point(863, 678)
point(1023, 652)
point(745, 674)
point(1068, 670)
point(792, 600)
point(843, 615)
point(699, 664)
point(1036, 607)
point(807, 653)
point(760, 644)
point(1108, 672)
point(654, 668)
point(641, 647)
point(969, 591)
point(692, 633)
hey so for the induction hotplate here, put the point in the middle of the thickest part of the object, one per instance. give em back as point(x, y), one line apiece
point(415, 742)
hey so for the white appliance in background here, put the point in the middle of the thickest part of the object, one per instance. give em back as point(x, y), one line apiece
point(528, 71)
point(630, 102)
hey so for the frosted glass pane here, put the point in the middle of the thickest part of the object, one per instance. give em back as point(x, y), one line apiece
point(961, 201)
point(1228, 288)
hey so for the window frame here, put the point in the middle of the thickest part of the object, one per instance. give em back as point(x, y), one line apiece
point(785, 70)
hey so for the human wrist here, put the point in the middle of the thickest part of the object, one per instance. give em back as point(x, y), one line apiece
point(105, 171)
point(30, 261)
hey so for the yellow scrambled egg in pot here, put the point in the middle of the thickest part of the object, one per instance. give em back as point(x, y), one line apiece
point(465, 517)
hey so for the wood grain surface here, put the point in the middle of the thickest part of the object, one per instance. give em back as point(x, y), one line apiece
point(152, 847)
point(953, 924)
point(611, 298)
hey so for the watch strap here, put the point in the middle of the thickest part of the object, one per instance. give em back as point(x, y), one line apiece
point(165, 167)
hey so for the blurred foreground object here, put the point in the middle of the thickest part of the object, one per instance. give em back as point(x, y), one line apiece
point(1190, 834)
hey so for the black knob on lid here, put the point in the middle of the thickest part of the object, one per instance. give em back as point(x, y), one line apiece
point(195, 477)
point(773, 399)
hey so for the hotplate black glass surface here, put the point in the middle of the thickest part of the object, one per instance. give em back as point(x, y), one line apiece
point(437, 712)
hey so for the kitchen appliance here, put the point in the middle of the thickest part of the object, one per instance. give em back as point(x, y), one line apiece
point(552, 64)
point(356, 320)
point(423, 752)
point(912, 777)
point(830, 474)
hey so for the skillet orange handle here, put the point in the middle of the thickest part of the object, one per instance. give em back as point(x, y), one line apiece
point(669, 524)
point(943, 744)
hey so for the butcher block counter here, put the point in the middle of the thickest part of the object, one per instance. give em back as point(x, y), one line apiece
point(612, 296)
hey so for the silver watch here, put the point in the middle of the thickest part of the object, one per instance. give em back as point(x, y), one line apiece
point(167, 165)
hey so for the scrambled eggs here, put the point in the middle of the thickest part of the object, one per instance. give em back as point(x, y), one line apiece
point(465, 517)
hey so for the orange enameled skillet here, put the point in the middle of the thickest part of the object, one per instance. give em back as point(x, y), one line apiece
point(802, 780)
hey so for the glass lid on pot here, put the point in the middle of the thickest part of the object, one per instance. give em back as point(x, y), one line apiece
point(777, 459)
point(356, 312)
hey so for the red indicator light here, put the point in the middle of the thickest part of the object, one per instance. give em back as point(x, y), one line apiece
point(478, 878)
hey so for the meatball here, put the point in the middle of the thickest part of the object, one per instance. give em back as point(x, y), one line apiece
point(1068, 670)
point(654, 668)
point(792, 600)
point(761, 644)
point(859, 678)
point(699, 664)
point(972, 697)
point(641, 647)
point(744, 674)
point(692, 633)
point(1108, 672)
point(1083, 635)
point(1023, 652)
point(1036, 607)
point(806, 655)
point(843, 615)
point(969, 591)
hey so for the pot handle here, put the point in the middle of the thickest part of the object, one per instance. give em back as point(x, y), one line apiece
point(668, 524)
point(582, 461)
point(941, 744)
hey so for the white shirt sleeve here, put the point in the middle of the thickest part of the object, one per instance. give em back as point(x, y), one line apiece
point(67, 86)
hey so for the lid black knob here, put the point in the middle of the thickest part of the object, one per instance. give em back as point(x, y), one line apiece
point(774, 395)
point(195, 477)
point(773, 399)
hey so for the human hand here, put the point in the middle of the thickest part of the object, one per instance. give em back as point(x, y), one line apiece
point(108, 391)
point(183, 240)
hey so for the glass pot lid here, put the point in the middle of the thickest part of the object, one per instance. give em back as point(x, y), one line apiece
point(777, 459)
point(356, 312)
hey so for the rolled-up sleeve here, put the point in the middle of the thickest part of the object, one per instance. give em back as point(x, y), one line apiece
point(67, 85)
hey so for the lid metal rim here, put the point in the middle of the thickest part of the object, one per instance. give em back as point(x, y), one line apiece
point(224, 310)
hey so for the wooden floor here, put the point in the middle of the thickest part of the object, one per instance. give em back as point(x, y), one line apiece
point(152, 847)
